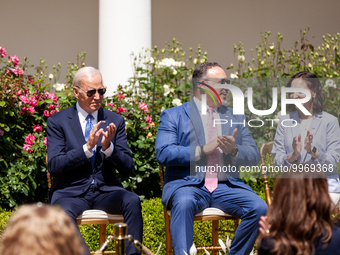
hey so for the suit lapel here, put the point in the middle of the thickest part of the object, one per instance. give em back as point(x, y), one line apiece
point(75, 125)
point(196, 123)
point(314, 126)
point(316, 121)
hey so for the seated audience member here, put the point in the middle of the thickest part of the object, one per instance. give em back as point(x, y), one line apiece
point(41, 230)
point(312, 139)
point(299, 220)
point(188, 139)
point(87, 146)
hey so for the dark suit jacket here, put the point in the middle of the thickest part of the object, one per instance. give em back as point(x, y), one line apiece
point(67, 162)
point(179, 133)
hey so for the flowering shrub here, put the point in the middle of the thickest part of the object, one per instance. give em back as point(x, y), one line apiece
point(23, 101)
point(26, 102)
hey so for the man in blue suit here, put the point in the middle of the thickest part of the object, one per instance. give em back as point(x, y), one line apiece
point(188, 143)
point(86, 145)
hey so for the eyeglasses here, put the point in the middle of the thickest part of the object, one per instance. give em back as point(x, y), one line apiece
point(92, 92)
point(219, 81)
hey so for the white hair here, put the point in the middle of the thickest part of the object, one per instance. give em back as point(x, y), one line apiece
point(87, 71)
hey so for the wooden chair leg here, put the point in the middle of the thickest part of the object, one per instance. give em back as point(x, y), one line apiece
point(168, 242)
point(215, 226)
point(236, 224)
point(102, 233)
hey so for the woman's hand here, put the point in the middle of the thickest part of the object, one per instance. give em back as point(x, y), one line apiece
point(308, 141)
point(296, 149)
point(264, 225)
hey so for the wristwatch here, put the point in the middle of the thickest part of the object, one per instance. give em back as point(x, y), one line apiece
point(312, 151)
point(234, 152)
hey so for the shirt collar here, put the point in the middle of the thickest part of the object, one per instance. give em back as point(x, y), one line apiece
point(83, 114)
point(199, 105)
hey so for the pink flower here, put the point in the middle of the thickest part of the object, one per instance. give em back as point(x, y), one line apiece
point(45, 140)
point(24, 99)
point(51, 107)
point(14, 60)
point(24, 108)
point(30, 139)
point(38, 128)
point(121, 109)
point(27, 147)
point(17, 71)
point(30, 79)
point(143, 107)
point(110, 104)
point(52, 96)
point(2, 52)
point(149, 118)
point(34, 101)
point(120, 96)
point(1, 132)
point(31, 110)
point(52, 112)
point(46, 113)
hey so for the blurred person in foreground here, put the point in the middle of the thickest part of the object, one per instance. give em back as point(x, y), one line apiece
point(40, 230)
point(197, 155)
point(299, 220)
point(86, 146)
point(312, 139)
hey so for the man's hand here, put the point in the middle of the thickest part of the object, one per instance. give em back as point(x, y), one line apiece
point(108, 136)
point(210, 147)
point(227, 143)
point(94, 136)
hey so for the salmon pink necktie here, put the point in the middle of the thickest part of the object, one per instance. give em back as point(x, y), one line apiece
point(211, 178)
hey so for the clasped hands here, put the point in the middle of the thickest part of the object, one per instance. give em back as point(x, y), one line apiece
point(226, 143)
point(106, 139)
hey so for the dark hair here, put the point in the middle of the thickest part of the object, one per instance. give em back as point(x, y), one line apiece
point(300, 213)
point(201, 71)
point(313, 84)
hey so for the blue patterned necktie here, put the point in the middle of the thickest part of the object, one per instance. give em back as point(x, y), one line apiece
point(88, 129)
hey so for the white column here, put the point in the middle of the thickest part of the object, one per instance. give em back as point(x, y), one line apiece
point(124, 27)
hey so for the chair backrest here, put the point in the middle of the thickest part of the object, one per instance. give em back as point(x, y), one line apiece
point(267, 148)
point(161, 175)
point(49, 179)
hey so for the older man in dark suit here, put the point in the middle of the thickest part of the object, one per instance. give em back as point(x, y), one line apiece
point(86, 145)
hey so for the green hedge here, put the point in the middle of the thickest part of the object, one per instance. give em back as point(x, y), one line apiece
point(154, 229)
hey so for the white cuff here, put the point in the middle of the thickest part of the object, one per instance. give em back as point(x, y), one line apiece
point(108, 151)
point(197, 154)
point(88, 153)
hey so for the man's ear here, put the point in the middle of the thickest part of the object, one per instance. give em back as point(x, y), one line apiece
point(76, 92)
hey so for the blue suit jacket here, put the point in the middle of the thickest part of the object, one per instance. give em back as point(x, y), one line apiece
point(67, 162)
point(177, 138)
point(326, 138)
